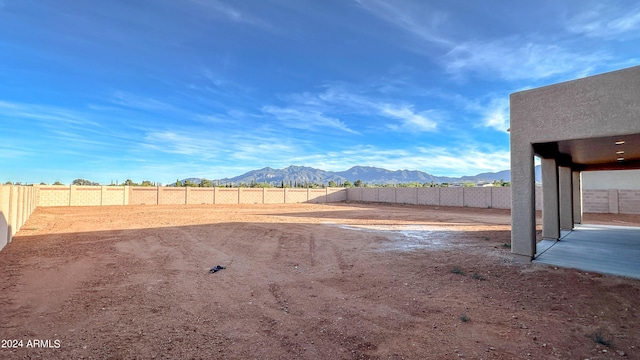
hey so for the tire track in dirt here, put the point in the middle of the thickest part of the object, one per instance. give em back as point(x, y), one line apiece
point(281, 300)
point(296, 249)
point(312, 250)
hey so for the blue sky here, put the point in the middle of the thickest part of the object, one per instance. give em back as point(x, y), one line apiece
point(158, 90)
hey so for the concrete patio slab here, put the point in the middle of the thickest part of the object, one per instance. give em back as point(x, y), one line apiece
point(613, 250)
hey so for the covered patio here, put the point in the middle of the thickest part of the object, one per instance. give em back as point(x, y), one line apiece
point(606, 249)
point(582, 125)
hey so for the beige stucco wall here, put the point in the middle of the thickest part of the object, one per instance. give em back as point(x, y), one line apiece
point(614, 179)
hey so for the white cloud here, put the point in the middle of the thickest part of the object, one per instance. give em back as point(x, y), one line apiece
point(139, 102)
point(518, 58)
point(410, 120)
point(44, 113)
point(202, 145)
point(13, 152)
point(496, 114)
point(305, 119)
point(607, 21)
point(414, 18)
point(231, 13)
point(339, 99)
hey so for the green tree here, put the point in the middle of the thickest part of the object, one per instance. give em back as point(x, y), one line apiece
point(358, 183)
point(129, 182)
point(206, 183)
point(347, 183)
point(83, 182)
point(146, 183)
point(58, 183)
point(501, 183)
point(190, 183)
point(332, 183)
point(178, 183)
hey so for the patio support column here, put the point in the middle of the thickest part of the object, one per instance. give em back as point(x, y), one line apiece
point(550, 200)
point(523, 215)
point(566, 198)
point(577, 196)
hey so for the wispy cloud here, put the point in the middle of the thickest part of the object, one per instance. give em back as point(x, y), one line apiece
point(134, 101)
point(519, 58)
point(233, 13)
point(350, 100)
point(183, 143)
point(12, 152)
point(409, 119)
point(496, 114)
point(43, 113)
point(607, 21)
point(305, 119)
point(415, 18)
point(254, 149)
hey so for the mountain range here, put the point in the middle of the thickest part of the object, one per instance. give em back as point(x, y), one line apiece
point(367, 174)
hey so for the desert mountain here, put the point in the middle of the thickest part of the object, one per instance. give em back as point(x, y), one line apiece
point(371, 175)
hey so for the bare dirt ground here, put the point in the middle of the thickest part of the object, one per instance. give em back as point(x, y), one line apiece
point(339, 281)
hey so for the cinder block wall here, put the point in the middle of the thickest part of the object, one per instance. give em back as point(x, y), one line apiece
point(85, 195)
point(200, 195)
point(317, 195)
point(611, 201)
point(293, 196)
point(452, 196)
point(407, 196)
point(115, 195)
point(251, 196)
point(336, 195)
point(501, 197)
point(387, 195)
point(172, 196)
point(479, 197)
point(273, 196)
point(143, 195)
point(227, 196)
point(429, 196)
point(594, 201)
point(365, 194)
point(54, 195)
point(16, 205)
point(629, 201)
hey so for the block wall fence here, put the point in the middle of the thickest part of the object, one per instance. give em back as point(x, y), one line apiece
point(594, 201)
point(16, 205)
point(60, 195)
point(478, 197)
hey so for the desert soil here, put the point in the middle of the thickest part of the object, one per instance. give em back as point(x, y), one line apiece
point(309, 281)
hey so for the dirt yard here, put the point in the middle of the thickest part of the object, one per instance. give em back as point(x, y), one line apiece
point(339, 281)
